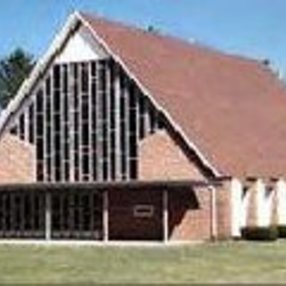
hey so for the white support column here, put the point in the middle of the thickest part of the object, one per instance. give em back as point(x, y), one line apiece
point(105, 217)
point(261, 211)
point(165, 217)
point(48, 216)
point(236, 206)
point(245, 199)
point(281, 201)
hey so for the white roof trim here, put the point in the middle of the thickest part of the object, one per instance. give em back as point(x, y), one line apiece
point(38, 69)
point(55, 47)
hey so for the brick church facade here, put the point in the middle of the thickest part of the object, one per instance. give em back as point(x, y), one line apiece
point(124, 134)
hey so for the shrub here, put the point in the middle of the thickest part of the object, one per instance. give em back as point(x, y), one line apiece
point(282, 231)
point(260, 233)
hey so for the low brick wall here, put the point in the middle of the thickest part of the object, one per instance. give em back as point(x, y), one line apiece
point(16, 160)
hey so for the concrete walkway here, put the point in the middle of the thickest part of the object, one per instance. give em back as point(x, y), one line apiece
point(74, 243)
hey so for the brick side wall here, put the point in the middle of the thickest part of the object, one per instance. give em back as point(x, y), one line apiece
point(223, 210)
point(190, 215)
point(160, 158)
point(16, 160)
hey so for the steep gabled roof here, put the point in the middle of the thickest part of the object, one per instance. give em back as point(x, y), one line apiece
point(231, 110)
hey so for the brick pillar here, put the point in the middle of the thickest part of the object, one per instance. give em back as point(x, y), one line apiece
point(223, 209)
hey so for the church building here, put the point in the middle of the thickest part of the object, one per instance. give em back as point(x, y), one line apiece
point(125, 134)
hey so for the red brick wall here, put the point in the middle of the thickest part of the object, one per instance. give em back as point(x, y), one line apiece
point(223, 210)
point(160, 158)
point(190, 214)
point(16, 160)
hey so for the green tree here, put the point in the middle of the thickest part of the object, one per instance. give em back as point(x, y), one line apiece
point(13, 70)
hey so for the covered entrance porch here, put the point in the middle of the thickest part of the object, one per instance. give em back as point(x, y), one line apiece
point(91, 211)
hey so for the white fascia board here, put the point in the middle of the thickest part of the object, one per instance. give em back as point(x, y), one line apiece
point(40, 67)
point(178, 128)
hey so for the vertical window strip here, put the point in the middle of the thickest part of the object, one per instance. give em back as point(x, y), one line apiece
point(22, 127)
point(57, 121)
point(34, 175)
point(52, 147)
point(126, 119)
point(133, 131)
point(31, 123)
point(76, 123)
point(62, 126)
point(105, 102)
point(123, 111)
point(48, 127)
point(99, 156)
point(90, 123)
point(80, 68)
point(112, 124)
point(39, 133)
point(142, 103)
point(45, 169)
point(71, 111)
point(62, 95)
point(94, 118)
point(66, 127)
point(108, 119)
point(117, 87)
point(85, 108)
point(153, 115)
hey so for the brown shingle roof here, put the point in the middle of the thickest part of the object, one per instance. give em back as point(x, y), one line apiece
point(232, 108)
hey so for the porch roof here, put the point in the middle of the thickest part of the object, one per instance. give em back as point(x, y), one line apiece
point(101, 186)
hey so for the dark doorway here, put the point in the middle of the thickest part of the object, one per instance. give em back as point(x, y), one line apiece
point(135, 215)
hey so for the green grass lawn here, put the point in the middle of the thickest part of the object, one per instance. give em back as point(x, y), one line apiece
point(219, 262)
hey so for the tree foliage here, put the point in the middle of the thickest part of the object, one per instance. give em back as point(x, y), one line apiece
point(13, 70)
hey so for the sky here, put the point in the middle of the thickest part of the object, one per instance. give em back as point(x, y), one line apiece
point(253, 28)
